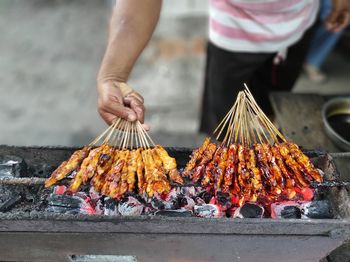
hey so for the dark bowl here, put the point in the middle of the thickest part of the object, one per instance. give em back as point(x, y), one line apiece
point(336, 120)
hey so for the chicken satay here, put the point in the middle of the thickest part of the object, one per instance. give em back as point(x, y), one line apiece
point(139, 171)
point(230, 169)
point(268, 179)
point(290, 182)
point(68, 166)
point(221, 168)
point(132, 169)
point(113, 179)
point(274, 169)
point(200, 168)
point(88, 165)
point(105, 161)
point(304, 162)
point(241, 168)
point(99, 180)
point(195, 157)
point(255, 172)
point(147, 185)
point(124, 176)
point(208, 178)
point(169, 164)
point(112, 183)
point(293, 165)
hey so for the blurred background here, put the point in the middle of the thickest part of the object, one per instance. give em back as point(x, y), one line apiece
point(50, 51)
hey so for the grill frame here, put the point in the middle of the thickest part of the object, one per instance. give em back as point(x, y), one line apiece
point(331, 233)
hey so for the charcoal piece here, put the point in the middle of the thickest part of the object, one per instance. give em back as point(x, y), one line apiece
point(290, 212)
point(63, 210)
point(64, 201)
point(10, 203)
point(157, 203)
point(110, 207)
point(249, 210)
point(317, 209)
point(130, 206)
point(174, 213)
point(207, 211)
point(206, 196)
point(224, 200)
point(12, 166)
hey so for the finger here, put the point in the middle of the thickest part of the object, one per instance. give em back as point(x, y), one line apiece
point(107, 117)
point(137, 106)
point(146, 127)
point(120, 110)
point(136, 95)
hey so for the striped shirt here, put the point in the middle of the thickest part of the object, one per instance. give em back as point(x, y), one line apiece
point(259, 25)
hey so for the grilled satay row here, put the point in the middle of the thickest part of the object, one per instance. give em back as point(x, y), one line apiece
point(259, 171)
point(114, 172)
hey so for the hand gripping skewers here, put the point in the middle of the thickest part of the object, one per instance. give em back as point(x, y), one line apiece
point(126, 161)
point(253, 162)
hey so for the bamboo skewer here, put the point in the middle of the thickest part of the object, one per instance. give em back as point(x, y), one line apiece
point(246, 123)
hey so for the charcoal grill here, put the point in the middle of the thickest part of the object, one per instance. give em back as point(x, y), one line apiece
point(42, 236)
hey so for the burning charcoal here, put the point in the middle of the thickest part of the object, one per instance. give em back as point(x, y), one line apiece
point(59, 190)
point(71, 202)
point(205, 196)
point(287, 209)
point(111, 207)
point(290, 212)
point(222, 199)
point(189, 191)
point(10, 203)
point(317, 209)
point(12, 166)
point(63, 210)
point(130, 206)
point(174, 213)
point(208, 211)
point(249, 210)
point(186, 202)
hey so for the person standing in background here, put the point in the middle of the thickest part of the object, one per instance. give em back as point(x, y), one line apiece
point(244, 39)
point(321, 45)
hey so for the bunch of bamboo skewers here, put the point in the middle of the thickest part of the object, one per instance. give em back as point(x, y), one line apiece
point(254, 162)
point(126, 161)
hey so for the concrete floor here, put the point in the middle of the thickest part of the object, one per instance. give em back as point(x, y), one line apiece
point(50, 51)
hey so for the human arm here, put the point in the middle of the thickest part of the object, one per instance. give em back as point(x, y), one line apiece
point(131, 27)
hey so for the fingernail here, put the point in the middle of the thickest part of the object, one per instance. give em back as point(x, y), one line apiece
point(131, 117)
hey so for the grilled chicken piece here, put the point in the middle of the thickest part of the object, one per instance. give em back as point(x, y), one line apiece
point(124, 176)
point(304, 162)
point(132, 169)
point(209, 177)
point(268, 178)
point(169, 164)
point(195, 157)
point(111, 185)
point(139, 171)
point(87, 168)
point(220, 169)
point(293, 165)
point(290, 182)
point(207, 157)
point(275, 170)
point(231, 169)
point(68, 167)
point(255, 172)
point(99, 180)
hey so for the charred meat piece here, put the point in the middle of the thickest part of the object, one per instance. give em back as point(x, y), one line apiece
point(304, 162)
point(207, 156)
point(220, 169)
point(230, 171)
point(196, 157)
point(292, 165)
point(209, 173)
point(68, 167)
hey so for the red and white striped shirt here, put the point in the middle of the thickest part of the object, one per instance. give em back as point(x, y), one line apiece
point(259, 25)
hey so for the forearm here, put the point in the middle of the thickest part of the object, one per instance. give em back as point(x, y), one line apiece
point(131, 27)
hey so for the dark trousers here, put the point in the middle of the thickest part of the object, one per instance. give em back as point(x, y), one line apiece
point(226, 72)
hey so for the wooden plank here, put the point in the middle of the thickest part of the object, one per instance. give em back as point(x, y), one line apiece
point(299, 118)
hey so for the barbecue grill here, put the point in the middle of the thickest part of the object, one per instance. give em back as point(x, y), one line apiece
point(28, 232)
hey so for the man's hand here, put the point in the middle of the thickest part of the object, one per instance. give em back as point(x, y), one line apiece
point(339, 17)
point(112, 103)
